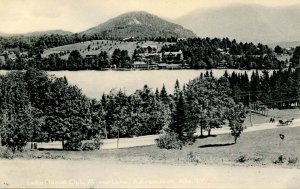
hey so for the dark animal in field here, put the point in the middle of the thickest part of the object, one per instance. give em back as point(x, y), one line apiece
point(281, 136)
point(272, 120)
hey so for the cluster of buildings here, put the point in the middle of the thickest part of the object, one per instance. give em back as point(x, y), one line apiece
point(148, 57)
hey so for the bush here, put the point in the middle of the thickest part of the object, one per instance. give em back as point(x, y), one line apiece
point(293, 160)
point(90, 145)
point(257, 159)
point(72, 145)
point(6, 154)
point(281, 159)
point(169, 141)
point(191, 157)
point(242, 159)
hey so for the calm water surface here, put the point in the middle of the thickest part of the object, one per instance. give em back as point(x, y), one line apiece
point(95, 83)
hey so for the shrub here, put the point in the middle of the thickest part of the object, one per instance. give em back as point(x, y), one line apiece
point(257, 159)
point(169, 141)
point(293, 160)
point(72, 145)
point(191, 157)
point(93, 144)
point(90, 145)
point(6, 154)
point(281, 159)
point(241, 159)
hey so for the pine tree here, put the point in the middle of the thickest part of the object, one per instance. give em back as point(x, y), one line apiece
point(164, 95)
point(179, 121)
point(176, 90)
point(157, 95)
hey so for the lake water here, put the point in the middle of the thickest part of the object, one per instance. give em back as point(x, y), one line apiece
point(95, 83)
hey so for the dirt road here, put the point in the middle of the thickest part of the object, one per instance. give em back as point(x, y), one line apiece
point(99, 174)
point(150, 139)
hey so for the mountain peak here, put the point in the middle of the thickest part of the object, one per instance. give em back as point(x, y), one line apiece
point(139, 24)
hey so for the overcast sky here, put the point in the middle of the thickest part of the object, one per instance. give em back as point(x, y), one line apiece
point(19, 16)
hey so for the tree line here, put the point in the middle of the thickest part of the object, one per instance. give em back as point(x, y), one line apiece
point(203, 104)
point(75, 61)
point(37, 44)
point(198, 53)
point(275, 89)
point(41, 108)
point(37, 107)
point(209, 53)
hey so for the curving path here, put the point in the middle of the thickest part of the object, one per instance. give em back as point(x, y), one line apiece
point(150, 139)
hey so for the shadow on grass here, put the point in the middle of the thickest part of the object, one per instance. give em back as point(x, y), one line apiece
point(215, 145)
point(205, 136)
point(49, 149)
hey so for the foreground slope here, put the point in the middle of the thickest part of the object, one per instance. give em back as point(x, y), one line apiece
point(98, 174)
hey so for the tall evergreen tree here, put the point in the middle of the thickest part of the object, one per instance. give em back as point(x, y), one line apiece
point(179, 121)
point(164, 95)
point(176, 90)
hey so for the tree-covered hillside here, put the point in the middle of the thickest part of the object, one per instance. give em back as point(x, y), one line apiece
point(140, 25)
point(211, 53)
point(52, 52)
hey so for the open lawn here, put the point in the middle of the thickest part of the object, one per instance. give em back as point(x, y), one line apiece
point(275, 113)
point(253, 148)
point(96, 46)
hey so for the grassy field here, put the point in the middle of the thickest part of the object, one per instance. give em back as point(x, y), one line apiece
point(262, 148)
point(275, 113)
point(96, 46)
point(253, 148)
